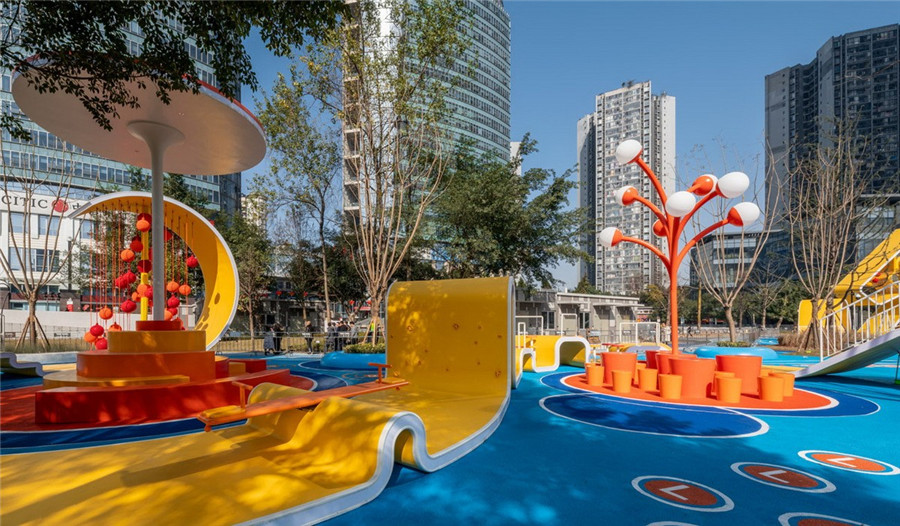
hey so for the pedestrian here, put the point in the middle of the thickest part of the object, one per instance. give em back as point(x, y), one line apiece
point(307, 333)
point(330, 336)
point(279, 332)
point(269, 341)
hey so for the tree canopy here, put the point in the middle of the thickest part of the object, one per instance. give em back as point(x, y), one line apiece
point(84, 49)
point(493, 221)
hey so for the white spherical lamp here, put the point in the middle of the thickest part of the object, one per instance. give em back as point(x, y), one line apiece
point(610, 236)
point(704, 184)
point(628, 151)
point(733, 184)
point(743, 214)
point(680, 203)
point(626, 195)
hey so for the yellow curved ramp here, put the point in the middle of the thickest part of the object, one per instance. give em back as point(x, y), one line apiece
point(220, 275)
point(451, 339)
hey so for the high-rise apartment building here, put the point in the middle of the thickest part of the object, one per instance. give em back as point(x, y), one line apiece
point(630, 112)
point(478, 105)
point(853, 79)
point(47, 154)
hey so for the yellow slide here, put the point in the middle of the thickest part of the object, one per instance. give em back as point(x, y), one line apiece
point(878, 268)
point(452, 340)
point(544, 353)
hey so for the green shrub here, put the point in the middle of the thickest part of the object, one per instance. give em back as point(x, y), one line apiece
point(364, 348)
point(725, 343)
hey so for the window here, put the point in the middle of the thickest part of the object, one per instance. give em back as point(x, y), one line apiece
point(17, 223)
point(14, 262)
point(47, 221)
point(87, 229)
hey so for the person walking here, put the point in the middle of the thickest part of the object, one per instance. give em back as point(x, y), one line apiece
point(307, 333)
point(279, 332)
point(269, 341)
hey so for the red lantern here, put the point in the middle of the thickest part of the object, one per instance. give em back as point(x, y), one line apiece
point(127, 255)
point(145, 216)
point(96, 330)
point(143, 225)
point(168, 315)
point(144, 266)
point(191, 261)
point(168, 235)
point(135, 296)
point(172, 286)
point(101, 344)
point(127, 306)
point(136, 245)
point(352, 303)
point(142, 289)
point(278, 293)
point(148, 292)
point(115, 327)
point(184, 290)
point(90, 338)
point(173, 302)
point(117, 283)
point(130, 277)
point(106, 313)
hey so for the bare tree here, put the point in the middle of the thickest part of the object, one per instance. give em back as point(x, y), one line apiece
point(723, 260)
point(305, 161)
point(385, 74)
point(34, 259)
point(829, 207)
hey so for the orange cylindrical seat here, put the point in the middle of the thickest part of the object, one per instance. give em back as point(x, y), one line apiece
point(670, 386)
point(624, 361)
point(745, 367)
point(622, 381)
point(651, 358)
point(696, 375)
point(771, 388)
point(728, 389)
point(721, 374)
point(788, 379)
point(647, 379)
point(594, 373)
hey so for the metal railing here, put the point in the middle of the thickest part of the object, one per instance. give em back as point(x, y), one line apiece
point(865, 319)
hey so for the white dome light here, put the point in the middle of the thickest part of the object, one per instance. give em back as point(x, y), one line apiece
point(628, 151)
point(733, 184)
point(743, 214)
point(705, 184)
point(680, 203)
point(610, 236)
point(625, 195)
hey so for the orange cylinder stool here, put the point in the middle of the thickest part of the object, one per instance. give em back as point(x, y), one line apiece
point(647, 379)
point(728, 389)
point(651, 358)
point(721, 374)
point(594, 374)
point(670, 386)
point(788, 382)
point(696, 375)
point(617, 361)
point(622, 381)
point(745, 367)
point(637, 369)
point(771, 389)
point(662, 361)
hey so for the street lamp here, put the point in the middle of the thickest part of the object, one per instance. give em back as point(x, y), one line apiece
point(676, 212)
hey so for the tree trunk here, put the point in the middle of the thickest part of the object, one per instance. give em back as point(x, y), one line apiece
point(732, 332)
point(778, 323)
point(324, 270)
point(250, 315)
point(763, 319)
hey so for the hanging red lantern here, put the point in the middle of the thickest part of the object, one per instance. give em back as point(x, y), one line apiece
point(127, 306)
point(127, 255)
point(191, 261)
point(173, 302)
point(278, 293)
point(106, 313)
point(352, 302)
point(136, 245)
point(144, 266)
point(136, 296)
point(184, 290)
point(142, 225)
point(172, 286)
point(168, 235)
point(96, 330)
point(117, 283)
point(144, 215)
point(101, 344)
point(130, 277)
point(90, 338)
point(305, 294)
point(115, 327)
point(173, 310)
point(168, 315)
point(148, 292)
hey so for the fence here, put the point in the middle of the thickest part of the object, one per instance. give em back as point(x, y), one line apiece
point(291, 342)
point(864, 319)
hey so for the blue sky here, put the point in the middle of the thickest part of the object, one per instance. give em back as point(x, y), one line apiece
point(712, 56)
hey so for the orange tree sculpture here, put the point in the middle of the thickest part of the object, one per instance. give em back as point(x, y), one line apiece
point(677, 211)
